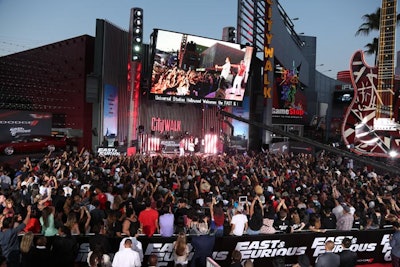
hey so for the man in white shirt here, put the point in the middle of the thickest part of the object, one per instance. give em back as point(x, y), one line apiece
point(238, 222)
point(126, 257)
point(226, 68)
point(223, 79)
point(136, 245)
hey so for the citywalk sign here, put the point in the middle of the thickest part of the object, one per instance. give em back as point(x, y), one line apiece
point(268, 51)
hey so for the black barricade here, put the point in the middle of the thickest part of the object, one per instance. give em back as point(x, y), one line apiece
point(372, 246)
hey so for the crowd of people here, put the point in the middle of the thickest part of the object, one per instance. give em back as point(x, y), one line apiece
point(58, 197)
point(172, 80)
point(175, 81)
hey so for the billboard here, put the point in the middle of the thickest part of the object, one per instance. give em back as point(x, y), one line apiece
point(197, 70)
point(290, 105)
point(371, 246)
point(110, 114)
point(15, 123)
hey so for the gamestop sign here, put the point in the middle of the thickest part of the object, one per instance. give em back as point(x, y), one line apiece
point(14, 123)
point(288, 113)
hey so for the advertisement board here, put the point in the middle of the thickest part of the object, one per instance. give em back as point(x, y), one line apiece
point(110, 124)
point(371, 246)
point(289, 105)
point(16, 123)
point(189, 69)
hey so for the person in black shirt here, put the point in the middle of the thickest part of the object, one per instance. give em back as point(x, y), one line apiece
point(64, 248)
point(348, 258)
point(180, 216)
point(328, 219)
point(282, 223)
point(97, 215)
point(40, 253)
point(256, 217)
point(99, 239)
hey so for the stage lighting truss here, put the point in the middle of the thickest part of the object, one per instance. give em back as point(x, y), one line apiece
point(137, 34)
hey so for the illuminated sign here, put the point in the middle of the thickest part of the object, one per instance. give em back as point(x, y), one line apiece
point(165, 125)
point(189, 69)
point(268, 50)
point(290, 102)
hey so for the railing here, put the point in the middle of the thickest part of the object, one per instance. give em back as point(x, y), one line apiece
point(372, 246)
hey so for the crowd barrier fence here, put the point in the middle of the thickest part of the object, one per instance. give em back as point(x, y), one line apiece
point(372, 246)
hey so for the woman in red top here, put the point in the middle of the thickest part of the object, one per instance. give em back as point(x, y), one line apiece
point(33, 224)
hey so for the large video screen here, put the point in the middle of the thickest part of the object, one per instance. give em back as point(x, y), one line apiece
point(197, 70)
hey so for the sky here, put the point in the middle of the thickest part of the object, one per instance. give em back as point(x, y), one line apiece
point(26, 24)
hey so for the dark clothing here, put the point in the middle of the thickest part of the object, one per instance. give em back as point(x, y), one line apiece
point(115, 228)
point(203, 246)
point(64, 250)
point(395, 244)
point(328, 259)
point(41, 257)
point(328, 222)
point(282, 225)
point(100, 241)
point(26, 259)
point(395, 261)
point(58, 202)
point(348, 258)
point(133, 227)
point(97, 216)
point(236, 264)
point(180, 220)
point(256, 221)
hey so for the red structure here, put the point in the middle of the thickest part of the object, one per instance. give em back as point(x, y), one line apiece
point(344, 76)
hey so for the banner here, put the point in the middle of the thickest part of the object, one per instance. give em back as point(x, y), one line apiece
point(371, 247)
point(110, 112)
point(15, 123)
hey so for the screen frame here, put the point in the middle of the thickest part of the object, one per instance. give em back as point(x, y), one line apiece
point(210, 61)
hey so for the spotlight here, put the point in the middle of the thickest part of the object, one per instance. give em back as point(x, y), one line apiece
point(137, 33)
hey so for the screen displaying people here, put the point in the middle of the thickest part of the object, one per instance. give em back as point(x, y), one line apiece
point(190, 66)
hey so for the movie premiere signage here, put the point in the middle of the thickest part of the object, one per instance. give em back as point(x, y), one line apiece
point(105, 151)
point(371, 247)
point(192, 100)
point(14, 123)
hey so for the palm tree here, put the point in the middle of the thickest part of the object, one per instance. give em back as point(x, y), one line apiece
point(372, 49)
point(371, 24)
